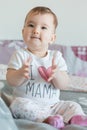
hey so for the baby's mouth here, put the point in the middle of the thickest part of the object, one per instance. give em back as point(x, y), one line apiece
point(35, 37)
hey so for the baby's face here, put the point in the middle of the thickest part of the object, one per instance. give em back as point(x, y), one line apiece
point(38, 32)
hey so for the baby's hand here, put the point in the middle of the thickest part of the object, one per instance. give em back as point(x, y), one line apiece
point(54, 68)
point(26, 68)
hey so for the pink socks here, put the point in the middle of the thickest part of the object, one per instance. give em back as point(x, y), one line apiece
point(55, 121)
point(79, 120)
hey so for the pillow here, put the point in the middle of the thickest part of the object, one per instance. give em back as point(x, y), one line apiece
point(8, 46)
point(75, 57)
point(3, 70)
point(77, 83)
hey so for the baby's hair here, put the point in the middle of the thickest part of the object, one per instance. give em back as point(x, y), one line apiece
point(43, 10)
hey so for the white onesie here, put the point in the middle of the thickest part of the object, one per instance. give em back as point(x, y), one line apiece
point(35, 99)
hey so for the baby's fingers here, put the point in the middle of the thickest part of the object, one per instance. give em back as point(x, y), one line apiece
point(28, 61)
point(50, 78)
point(26, 75)
point(26, 68)
point(54, 69)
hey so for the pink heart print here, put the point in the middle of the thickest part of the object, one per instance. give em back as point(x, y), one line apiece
point(45, 73)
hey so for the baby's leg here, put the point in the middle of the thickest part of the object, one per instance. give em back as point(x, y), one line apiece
point(24, 108)
point(27, 109)
point(67, 109)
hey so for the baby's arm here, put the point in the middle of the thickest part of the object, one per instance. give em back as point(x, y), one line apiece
point(59, 78)
point(16, 77)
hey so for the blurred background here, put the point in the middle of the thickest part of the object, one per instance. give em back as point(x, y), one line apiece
point(72, 17)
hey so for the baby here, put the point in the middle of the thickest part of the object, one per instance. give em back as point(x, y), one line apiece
point(37, 74)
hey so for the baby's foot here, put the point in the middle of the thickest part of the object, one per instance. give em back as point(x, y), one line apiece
point(56, 121)
point(79, 120)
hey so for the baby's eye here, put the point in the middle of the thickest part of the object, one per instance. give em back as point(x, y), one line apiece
point(44, 27)
point(30, 25)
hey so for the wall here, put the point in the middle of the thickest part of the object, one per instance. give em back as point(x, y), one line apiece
point(72, 16)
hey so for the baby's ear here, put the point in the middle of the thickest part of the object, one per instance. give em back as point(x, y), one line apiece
point(53, 38)
point(22, 31)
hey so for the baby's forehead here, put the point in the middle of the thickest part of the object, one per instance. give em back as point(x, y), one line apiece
point(38, 18)
point(36, 14)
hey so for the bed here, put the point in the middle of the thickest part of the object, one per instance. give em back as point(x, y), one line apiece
point(76, 90)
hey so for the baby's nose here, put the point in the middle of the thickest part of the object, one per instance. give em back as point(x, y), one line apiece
point(36, 31)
